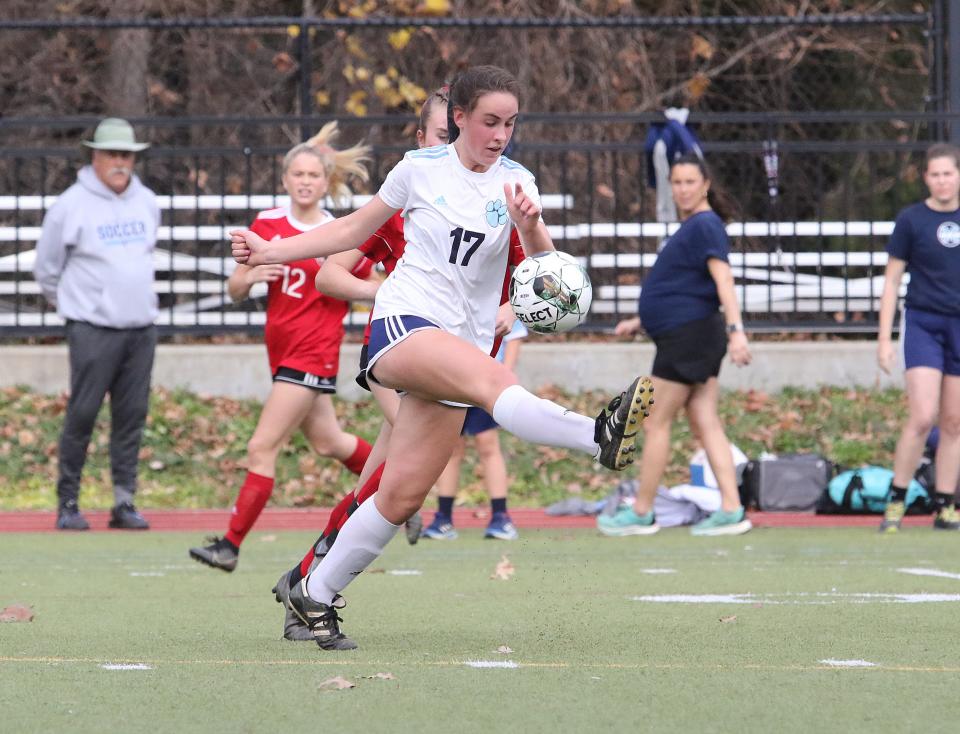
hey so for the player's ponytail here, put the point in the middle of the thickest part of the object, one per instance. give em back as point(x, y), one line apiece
point(339, 165)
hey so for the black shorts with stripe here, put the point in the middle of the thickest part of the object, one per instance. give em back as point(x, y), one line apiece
point(306, 379)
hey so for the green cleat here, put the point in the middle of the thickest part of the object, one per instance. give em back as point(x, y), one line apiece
point(892, 517)
point(627, 522)
point(723, 523)
point(947, 519)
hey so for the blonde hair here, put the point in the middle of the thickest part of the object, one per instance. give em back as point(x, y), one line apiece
point(339, 165)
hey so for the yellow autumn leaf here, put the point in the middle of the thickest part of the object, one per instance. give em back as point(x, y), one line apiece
point(698, 85)
point(390, 97)
point(399, 39)
point(355, 103)
point(381, 83)
point(702, 47)
point(322, 98)
point(411, 92)
point(392, 72)
point(435, 7)
point(355, 47)
point(348, 73)
point(293, 31)
point(363, 74)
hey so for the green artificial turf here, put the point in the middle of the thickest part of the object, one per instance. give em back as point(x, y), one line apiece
point(590, 657)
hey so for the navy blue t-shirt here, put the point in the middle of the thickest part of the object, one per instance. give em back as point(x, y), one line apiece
point(929, 242)
point(679, 288)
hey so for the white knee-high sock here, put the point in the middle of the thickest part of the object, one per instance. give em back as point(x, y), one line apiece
point(360, 541)
point(542, 421)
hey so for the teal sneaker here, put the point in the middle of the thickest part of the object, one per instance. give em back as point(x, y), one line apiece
point(723, 523)
point(627, 522)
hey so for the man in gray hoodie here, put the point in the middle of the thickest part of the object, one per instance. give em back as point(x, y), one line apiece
point(95, 264)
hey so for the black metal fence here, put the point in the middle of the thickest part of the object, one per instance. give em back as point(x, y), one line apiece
point(809, 259)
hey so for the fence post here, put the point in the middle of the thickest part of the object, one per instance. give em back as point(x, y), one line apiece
point(953, 68)
point(306, 97)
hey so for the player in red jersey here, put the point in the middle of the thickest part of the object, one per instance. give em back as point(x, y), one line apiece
point(338, 278)
point(303, 333)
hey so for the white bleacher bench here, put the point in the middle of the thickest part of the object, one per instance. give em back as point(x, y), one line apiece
point(767, 281)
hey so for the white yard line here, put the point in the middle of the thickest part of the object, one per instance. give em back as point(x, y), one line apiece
point(803, 598)
point(929, 572)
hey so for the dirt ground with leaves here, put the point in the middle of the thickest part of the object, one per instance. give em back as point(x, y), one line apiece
point(194, 447)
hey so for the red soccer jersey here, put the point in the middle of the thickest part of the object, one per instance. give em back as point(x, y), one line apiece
point(386, 246)
point(304, 328)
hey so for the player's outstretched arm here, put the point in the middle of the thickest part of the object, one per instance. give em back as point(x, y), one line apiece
point(339, 235)
point(336, 279)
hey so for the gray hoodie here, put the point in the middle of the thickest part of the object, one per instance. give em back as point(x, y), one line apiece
point(95, 253)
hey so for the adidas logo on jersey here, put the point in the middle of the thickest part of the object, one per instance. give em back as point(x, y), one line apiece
point(440, 201)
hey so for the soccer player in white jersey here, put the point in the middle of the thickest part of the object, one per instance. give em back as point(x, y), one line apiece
point(433, 327)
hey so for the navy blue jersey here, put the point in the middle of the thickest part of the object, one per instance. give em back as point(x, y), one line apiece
point(679, 288)
point(929, 242)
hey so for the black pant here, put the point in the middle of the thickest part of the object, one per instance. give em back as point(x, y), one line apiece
point(114, 361)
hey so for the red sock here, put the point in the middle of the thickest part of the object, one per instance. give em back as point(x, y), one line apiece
point(358, 458)
point(340, 514)
point(254, 493)
point(366, 492)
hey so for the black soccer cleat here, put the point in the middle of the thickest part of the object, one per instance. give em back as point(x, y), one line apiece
point(293, 628)
point(413, 527)
point(616, 427)
point(321, 619)
point(220, 553)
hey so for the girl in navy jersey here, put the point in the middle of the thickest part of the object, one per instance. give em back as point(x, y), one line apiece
point(303, 333)
point(434, 324)
point(679, 309)
point(926, 243)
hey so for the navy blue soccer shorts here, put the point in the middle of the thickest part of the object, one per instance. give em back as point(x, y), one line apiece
point(931, 340)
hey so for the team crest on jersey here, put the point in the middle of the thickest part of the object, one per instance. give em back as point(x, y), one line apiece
point(948, 234)
point(496, 213)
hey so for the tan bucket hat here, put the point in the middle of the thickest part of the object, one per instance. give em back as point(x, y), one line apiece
point(115, 134)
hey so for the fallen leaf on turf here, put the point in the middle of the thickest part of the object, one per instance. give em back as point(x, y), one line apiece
point(16, 613)
point(380, 676)
point(335, 684)
point(731, 618)
point(504, 649)
point(504, 570)
point(268, 539)
point(376, 570)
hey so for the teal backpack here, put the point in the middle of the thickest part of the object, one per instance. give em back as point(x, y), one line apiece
point(865, 490)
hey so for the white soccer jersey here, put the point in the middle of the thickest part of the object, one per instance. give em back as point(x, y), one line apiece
point(458, 235)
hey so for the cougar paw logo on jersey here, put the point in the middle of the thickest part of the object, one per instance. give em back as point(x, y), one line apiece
point(496, 213)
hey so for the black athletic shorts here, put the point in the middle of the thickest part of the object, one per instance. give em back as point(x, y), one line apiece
point(692, 353)
point(305, 379)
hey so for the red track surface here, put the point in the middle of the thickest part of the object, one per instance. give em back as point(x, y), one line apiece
point(315, 519)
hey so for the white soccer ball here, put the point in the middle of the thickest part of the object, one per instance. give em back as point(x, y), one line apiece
point(550, 292)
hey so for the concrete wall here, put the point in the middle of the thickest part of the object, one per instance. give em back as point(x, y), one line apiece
point(241, 371)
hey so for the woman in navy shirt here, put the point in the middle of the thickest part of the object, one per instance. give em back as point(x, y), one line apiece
point(680, 310)
point(926, 243)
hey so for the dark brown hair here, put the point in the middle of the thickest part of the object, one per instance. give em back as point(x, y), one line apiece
point(716, 197)
point(942, 150)
point(468, 86)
